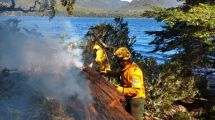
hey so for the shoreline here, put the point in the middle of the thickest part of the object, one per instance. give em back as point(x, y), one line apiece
point(73, 16)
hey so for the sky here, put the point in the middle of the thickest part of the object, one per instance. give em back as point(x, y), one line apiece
point(127, 0)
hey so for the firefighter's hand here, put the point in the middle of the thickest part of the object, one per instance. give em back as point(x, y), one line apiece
point(103, 72)
point(119, 88)
point(115, 84)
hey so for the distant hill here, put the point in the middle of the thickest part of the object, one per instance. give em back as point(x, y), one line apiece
point(137, 7)
point(119, 8)
point(146, 4)
point(104, 8)
point(105, 4)
point(98, 8)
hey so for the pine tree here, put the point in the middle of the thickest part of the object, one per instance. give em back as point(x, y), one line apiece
point(189, 31)
point(114, 35)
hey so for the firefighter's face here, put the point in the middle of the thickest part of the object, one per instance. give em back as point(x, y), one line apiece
point(118, 61)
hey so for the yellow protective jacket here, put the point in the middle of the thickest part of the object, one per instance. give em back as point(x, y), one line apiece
point(101, 59)
point(100, 56)
point(132, 80)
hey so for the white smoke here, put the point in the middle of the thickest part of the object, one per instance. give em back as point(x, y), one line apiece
point(52, 69)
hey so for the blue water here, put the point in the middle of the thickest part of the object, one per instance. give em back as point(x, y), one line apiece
point(78, 27)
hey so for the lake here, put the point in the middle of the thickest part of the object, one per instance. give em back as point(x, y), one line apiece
point(78, 27)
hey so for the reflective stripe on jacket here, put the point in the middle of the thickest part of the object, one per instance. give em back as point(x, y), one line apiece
point(132, 80)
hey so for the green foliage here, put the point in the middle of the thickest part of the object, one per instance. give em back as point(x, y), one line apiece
point(212, 112)
point(19, 100)
point(47, 8)
point(201, 17)
point(69, 5)
point(190, 32)
point(213, 109)
point(181, 116)
point(114, 35)
point(40, 7)
point(196, 2)
point(164, 87)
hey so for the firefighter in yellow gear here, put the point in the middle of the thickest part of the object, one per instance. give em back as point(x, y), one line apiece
point(131, 78)
point(101, 59)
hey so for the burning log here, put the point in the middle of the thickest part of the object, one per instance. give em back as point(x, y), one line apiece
point(107, 104)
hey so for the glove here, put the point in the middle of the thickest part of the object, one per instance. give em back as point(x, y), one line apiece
point(119, 88)
point(103, 72)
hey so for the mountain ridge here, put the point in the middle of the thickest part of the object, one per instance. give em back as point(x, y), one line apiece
point(119, 8)
point(106, 4)
point(103, 8)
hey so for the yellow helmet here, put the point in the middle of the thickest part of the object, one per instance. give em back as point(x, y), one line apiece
point(96, 46)
point(123, 53)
